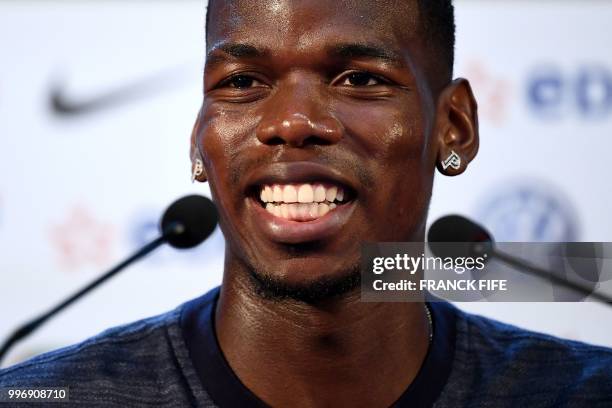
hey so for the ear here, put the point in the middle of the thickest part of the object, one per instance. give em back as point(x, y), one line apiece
point(456, 128)
point(197, 163)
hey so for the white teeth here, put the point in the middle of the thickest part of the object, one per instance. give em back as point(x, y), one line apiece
point(313, 211)
point(284, 210)
point(278, 194)
point(323, 209)
point(268, 193)
point(304, 211)
point(302, 193)
point(300, 211)
point(305, 193)
point(330, 194)
point(340, 195)
point(319, 193)
point(277, 210)
point(290, 194)
point(293, 211)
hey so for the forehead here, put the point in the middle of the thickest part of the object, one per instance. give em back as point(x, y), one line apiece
point(302, 24)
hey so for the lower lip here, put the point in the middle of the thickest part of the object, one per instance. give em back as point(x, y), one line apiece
point(285, 231)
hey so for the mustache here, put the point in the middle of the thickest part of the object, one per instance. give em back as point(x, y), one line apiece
point(342, 162)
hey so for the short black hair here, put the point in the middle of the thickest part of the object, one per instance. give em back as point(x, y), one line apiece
point(437, 19)
point(438, 27)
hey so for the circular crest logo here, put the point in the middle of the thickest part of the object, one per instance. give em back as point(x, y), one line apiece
point(529, 211)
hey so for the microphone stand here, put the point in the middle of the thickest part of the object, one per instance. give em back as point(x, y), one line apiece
point(533, 270)
point(26, 329)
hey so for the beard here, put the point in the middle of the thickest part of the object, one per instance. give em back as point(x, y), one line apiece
point(312, 292)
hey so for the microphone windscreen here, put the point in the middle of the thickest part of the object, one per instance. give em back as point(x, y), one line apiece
point(462, 233)
point(196, 217)
point(455, 228)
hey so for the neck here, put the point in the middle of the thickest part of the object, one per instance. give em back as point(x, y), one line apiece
point(336, 352)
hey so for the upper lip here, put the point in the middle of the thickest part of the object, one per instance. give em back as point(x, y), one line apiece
point(298, 172)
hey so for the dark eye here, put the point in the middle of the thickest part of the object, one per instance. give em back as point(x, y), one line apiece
point(242, 82)
point(360, 79)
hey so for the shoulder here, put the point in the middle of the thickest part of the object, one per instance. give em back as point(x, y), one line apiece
point(505, 361)
point(489, 337)
point(132, 360)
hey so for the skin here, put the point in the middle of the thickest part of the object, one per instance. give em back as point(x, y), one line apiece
point(300, 101)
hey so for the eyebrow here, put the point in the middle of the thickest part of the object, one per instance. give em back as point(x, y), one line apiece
point(340, 51)
point(236, 50)
point(358, 50)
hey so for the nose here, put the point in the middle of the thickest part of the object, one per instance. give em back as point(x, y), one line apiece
point(297, 116)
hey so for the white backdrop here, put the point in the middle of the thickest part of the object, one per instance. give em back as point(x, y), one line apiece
point(80, 191)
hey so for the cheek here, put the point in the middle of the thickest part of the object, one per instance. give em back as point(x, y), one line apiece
point(395, 145)
point(224, 135)
point(390, 132)
point(225, 132)
point(223, 138)
point(391, 139)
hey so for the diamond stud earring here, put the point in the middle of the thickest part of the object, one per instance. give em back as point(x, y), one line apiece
point(198, 169)
point(453, 161)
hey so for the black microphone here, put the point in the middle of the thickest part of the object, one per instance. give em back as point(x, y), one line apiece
point(185, 224)
point(471, 239)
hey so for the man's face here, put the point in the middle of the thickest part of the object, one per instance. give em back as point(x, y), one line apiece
point(309, 97)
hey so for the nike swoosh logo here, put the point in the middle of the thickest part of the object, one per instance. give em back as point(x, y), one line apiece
point(63, 105)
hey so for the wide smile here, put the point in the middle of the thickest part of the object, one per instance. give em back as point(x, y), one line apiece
point(289, 209)
point(302, 202)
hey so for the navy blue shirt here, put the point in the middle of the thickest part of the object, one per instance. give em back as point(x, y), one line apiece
point(225, 388)
point(174, 360)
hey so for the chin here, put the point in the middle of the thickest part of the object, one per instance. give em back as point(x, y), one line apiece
point(306, 280)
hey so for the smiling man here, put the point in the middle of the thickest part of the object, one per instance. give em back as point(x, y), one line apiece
point(322, 126)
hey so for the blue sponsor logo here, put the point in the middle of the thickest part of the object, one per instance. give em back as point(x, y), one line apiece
point(528, 211)
point(587, 91)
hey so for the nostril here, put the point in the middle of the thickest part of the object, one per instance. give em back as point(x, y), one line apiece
point(276, 140)
point(307, 141)
point(310, 140)
point(316, 140)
